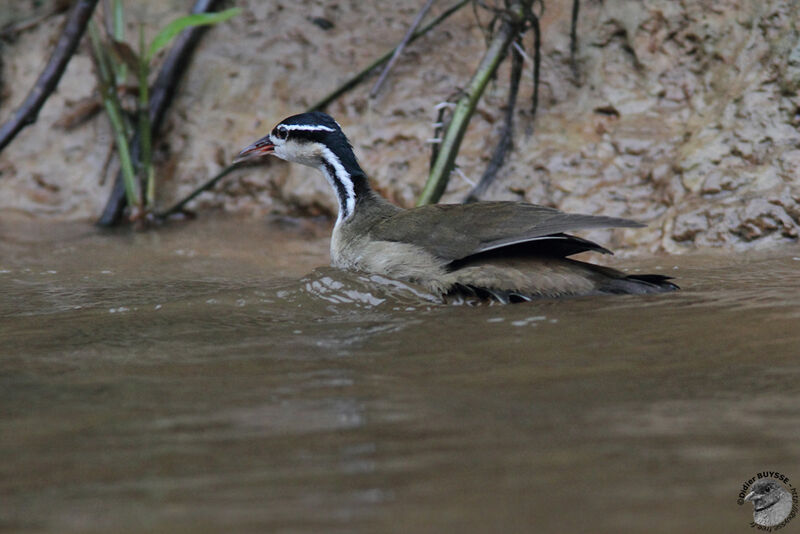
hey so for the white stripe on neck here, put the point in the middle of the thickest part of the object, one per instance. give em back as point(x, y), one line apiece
point(308, 128)
point(347, 206)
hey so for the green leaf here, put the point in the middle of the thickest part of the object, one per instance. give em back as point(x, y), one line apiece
point(176, 26)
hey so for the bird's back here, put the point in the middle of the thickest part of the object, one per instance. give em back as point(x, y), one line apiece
point(502, 250)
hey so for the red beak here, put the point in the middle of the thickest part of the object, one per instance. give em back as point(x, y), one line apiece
point(262, 147)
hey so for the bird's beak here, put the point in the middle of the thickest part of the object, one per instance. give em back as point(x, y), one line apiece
point(262, 147)
point(749, 496)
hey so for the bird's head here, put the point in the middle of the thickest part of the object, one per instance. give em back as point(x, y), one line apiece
point(316, 140)
point(765, 493)
point(303, 138)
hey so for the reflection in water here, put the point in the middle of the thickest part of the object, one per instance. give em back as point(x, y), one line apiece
point(191, 380)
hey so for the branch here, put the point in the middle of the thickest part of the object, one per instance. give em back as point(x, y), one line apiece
point(537, 59)
point(48, 80)
point(359, 77)
point(12, 29)
point(573, 38)
point(177, 208)
point(399, 50)
point(160, 97)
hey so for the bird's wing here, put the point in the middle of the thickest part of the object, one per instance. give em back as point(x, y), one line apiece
point(455, 231)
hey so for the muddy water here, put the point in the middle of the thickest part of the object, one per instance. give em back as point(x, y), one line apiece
point(205, 378)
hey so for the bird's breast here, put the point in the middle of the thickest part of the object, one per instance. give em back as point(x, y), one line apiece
point(401, 261)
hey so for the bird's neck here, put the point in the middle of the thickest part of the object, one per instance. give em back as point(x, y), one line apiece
point(349, 182)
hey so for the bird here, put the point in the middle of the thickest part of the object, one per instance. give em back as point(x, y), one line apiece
point(503, 251)
point(772, 503)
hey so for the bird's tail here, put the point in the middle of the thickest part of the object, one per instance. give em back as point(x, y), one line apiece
point(639, 284)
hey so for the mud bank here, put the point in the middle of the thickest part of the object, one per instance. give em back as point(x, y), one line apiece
point(684, 115)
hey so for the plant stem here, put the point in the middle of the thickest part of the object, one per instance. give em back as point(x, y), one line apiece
point(505, 143)
point(123, 149)
point(118, 31)
point(163, 89)
point(448, 150)
point(115, 115)
point(146, 167)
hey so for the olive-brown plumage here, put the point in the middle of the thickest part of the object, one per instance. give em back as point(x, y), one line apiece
point(507, 251)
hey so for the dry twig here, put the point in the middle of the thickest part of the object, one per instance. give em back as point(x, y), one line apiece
point(360, 76)
point(399, 50)
point(573, 38)
point(11, 30)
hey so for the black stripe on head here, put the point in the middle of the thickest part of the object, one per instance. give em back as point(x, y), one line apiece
point(341, 191)
point(310, 136)
point(313, 127)
point(329, 134)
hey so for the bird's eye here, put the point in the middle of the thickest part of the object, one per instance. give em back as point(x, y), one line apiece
point(767, 489)
point(282, 132)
